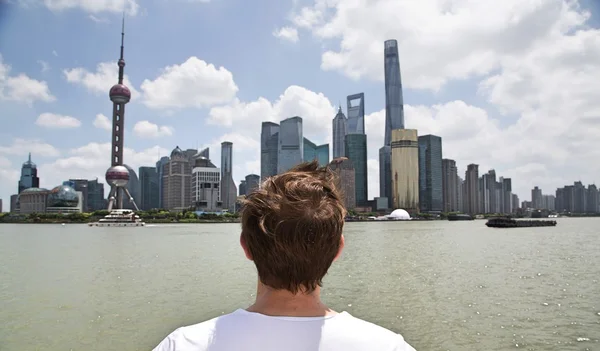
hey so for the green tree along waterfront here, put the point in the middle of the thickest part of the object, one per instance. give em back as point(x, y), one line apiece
point(164, 216)
point(152, 216)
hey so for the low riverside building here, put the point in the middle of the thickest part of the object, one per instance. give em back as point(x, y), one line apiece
point(33, 200)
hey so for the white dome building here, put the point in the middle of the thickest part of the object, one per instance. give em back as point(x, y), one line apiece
point(399, 215)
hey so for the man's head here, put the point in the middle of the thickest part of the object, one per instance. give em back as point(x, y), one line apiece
point(292, 227)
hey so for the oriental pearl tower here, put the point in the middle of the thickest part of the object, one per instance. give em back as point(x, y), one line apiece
point(117, 176)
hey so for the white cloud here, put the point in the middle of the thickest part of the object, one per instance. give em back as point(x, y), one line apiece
point(194, 83)
point(21, 147)
point(535, 63)
point(98, 19)
point(102, 122)
point(45, 65)
point(287, 33)
point(52, 120)
point(101, 80)
point(9, 177)
point(246, 153)
point(438, 41)
point(54, 53)
point(146, 129)
point(315, 109)
point(21, 88)
point(131, 7)
point(92, 160)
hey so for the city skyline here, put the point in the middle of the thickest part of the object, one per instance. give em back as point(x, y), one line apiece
point(471, 107)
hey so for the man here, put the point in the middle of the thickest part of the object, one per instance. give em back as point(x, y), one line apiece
point(292, 230)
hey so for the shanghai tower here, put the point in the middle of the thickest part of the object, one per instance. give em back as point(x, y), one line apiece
point(394, 115)
point(394, 103)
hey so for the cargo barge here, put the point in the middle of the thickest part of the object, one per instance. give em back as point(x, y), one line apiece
point(460, 217)
point(503, 222)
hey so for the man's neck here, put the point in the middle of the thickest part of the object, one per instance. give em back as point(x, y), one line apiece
point(273, 302)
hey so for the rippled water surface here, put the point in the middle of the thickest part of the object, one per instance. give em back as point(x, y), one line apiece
point(443, 285)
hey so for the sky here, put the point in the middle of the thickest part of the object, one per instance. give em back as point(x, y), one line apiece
point(510, 85)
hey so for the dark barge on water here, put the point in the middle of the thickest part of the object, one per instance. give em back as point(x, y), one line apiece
point(505, 222)
point(459, 217)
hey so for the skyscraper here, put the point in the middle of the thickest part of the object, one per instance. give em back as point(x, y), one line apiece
point(340, 124)
point(356, 150)
point(430, 173)
point(579, 197)
point(316, 152)
point(242, 188)
point(356, 114)
point(405, 169)
point(450, 184)
point(252, 183)
point(148, 188)
point(133, 187)
point(81, 185)
point(394, 115)
point(592, 199)
point(494, 192)
point(203, 153)
point(269, 143)
point(291, 144)
point(472, 189)
point(96, 199)
point(29, 178)
point(228, 189)
point(507, 195)
point(385, 173)
point(548, 202)
point(460, 194)
point(394, 102)
point(536, 198)
point(345, 180)
point(177, 182)
point(159, 178)
point(205, 184)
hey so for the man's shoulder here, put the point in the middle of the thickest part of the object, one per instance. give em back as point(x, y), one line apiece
point(192, 337)
point(360, 330)
point(342, 332)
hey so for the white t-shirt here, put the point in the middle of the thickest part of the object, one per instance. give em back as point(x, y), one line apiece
point(248, 331)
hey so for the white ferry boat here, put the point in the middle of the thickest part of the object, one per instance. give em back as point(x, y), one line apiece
point(119, 218)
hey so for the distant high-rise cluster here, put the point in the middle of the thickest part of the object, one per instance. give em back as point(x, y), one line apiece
point(350, 142)
point(575, 199)
point(413, 173)
point(284, 146)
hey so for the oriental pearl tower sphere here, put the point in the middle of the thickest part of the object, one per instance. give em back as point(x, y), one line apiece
point(117, 176)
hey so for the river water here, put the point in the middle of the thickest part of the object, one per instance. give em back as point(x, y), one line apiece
point(443, 285)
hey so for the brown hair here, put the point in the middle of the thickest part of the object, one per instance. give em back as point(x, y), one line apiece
point(292, 227)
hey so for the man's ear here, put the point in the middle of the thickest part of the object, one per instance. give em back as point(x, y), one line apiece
point(245, 247)
point(342, 243)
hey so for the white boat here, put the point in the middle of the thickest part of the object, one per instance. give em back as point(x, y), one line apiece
point(119, 218)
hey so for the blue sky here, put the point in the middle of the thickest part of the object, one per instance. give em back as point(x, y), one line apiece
point(496, 81)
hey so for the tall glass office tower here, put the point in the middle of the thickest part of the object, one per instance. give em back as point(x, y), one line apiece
point(356, 114)
point(291, 144)
point(228, 188)
point(148, 188)
point(340, 124)
point(430, 173)
point(313, 151)
point(29, 178)
point(269, 140)
point(394, 103)
point(394, 115)
point(356, 150)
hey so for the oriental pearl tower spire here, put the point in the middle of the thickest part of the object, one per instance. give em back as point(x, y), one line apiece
point(117, 176)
